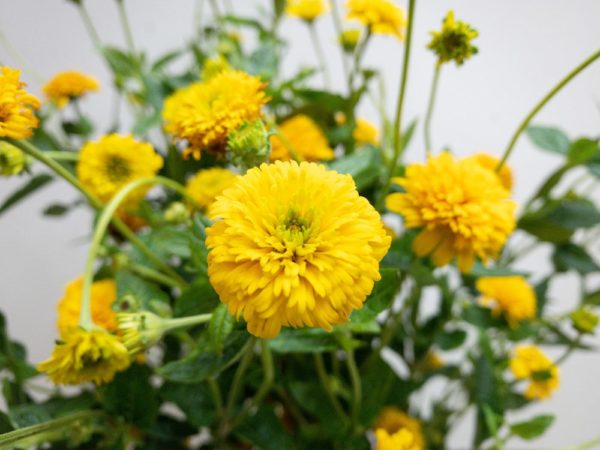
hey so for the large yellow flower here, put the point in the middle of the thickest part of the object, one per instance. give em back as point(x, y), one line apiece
point(17, 106)
point(300, 137)
point(511, 296)
point(84, 356)
point(530, 363)
point(294, 245)
point(402, 439)
point(365, 133)
point(106, 165)
point(69, 85)
point(380, 16)
point(491, 162)
point(207, 184)
point(392, 420)
point(307, 9)
point(205, 112)
point(462, 208)
point(103, 295)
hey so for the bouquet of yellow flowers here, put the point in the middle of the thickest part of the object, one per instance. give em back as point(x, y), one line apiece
point(261, 256)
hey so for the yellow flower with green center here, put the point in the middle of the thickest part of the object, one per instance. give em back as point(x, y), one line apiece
point(299, 137)
point(204, 113)
point(12, 160)
point(84, 356)
point(511, 296)
point(294, 244)
point(307, 10)
point(402, 439)
point(17, 106)
point(454, 41)
point(108, 164)
point(530, 363)
point(379, 16)
point(491, 162)
point(461, 207)
point(392, 420)
point(207, 184)
point(69, 85)
point(365, 133)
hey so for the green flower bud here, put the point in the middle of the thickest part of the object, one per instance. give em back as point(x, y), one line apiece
point(584, 320)
point(348, 39)
point(177, 212)
point(453, 41)
point(249, 144)
point(12, 160)
point(214, 66)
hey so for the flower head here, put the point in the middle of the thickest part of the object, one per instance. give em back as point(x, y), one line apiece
point(294, 245)
point(17, 106)
point(69, 85)
point(530, 363)
point(12, 160)
point(462, 208)
point(380, 16)
point(365, 133)
point(349, 39)
point(392, 420)
point(512, 296)
point(108, 164)
point(207, 184)
point(300, 137)
point(204, 113)
point(140, 330)
point(454, 41)
point(307, 10)
point(249, 144)
point(84, 356)
point(103, 295)
point(491, 162)
point(402, 439)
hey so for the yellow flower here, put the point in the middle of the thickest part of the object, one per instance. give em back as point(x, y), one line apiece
point(403, 439)
point(491, 162)
point(511, 295)
point(294, 245)
point(380, 16)
point(365, 133)
point(530, 363)
point(86, 356)
point(17, 106)
point(205, 112)
point(107, 165)
point(207, 184)
point(301, 137)
point(69, 85)
point(12, 160)
point(307, 9)
point(462, 208)
point(104, 293)
point(453, 41)
point(392, 420)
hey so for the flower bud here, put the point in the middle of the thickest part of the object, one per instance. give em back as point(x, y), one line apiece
point(584, 320)
point(348, 39)
point(12, 160)
point(453, 41)
point(177, 212)
point(249, 144)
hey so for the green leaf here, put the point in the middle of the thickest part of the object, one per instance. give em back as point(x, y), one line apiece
point(450, 340)
point(56, 210)
point(533, 428)
point(220, 326)
point(27, 415)
point(303, 340)
point(479, 270)
point(480, 317)
point(29, 188)
point(144, 292)
point(575, 213)
point(264, 61)
point(82, 127)
point(549, 138)
point(582, 150)
point(363, 166)
point(569, 256)
point(264, 430)
point(593, 298)
point(193, 399)
point(381, 297)
point(593, 165)
point(120, 62)
point(199, 298)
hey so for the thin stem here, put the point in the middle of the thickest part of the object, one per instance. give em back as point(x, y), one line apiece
point(62, 156)
point(215, 8)
point(215, 392)
point(236, 385)
point(586, 445)
point(326, 385)
point(570, 349)
point(189, 321)
point(337, 23)
point(126, 26)
point(562, 83)
point(89, 25)
point(358, 55)
point(430, 106)
point(356, 386)
point(314, 36)
point(154, 275)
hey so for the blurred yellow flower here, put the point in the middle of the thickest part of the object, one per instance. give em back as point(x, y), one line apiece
point(403, 439)
point(380, 16)
point(530, 363)
point(512, 296)
point(69, 85)
point(207, 184)
point(12, 160)
point(349, 39)
point(491, 162)
point(299, 137)
point(204, 113)
point(453, 41)
point(293, 244)
point(392, 420)
point(17, 106)
point(462, 208)
point(307, 9)
point(365, 133)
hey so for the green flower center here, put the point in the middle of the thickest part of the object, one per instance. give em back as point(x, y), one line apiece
point(117, 169)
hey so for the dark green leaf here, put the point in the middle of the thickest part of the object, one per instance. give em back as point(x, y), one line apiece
point(363, 166)
point(131, 288)
point(265, 431)
point(29, 188)
point(56, 210)
point(381, 298)
point(582, 150)
point(198, 298)
point(533, 428)
point(27, 415)
point(450, 340)
point(303, 340)
point(193, 399)
point(569, 256)
point(120, 62)
point(549, 138)
point(82, 127)
point(220, 326)
point(593, 298)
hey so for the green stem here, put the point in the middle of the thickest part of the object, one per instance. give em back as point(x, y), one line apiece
point(20, 59)
point(62, 156)
point(542, 103)
point(126, 26)
point(189, 321)
point(215, 392)
point(238, 379)
point(570, 349)
point(154, 275)
point(358, 55)
point(337, 23)
point(215, 8)
point(356, 386)
point(314, 36)
point(326, 385)
point(89, 25)
point(589, 445)
point(430, 106)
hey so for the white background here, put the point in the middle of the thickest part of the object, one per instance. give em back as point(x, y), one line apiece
point(525, 48)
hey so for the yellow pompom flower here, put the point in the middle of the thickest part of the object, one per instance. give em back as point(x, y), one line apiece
point(400, 440)
point(204, 113)
point(65, 86)
point(17, 106)
point(108, 164)
point(462, 208)
point(365, 133)
point(207, 184)
point(293, 244)
point(491, 162)
point(103, 295)
point(84, 356)
point(392, 420)
point(307, 10)
point(512, 296)
point(380, 16)
point(530, 363)
point(299, 137)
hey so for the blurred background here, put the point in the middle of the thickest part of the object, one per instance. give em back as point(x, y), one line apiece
point(525, 48)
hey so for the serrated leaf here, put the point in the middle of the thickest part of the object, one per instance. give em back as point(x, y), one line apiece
point(533, 428)
point(549, 138)
point(220, 326)
point(33, 185)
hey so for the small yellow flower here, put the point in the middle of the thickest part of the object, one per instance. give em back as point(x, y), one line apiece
point(380, 16)
point(365, 133)
point(402, 439)
point(392, 420)
point(294, 245)
point(207, 184)
point(84, 356)
point(103, 295)
point(462, 208)
point(12, 160)
point(214, 66)
point(349, 39)
point(299, 137)
point(512, 296)
point(108, 164)
point(307, 10)
point(491, 162)
point(453, 41)
point(17, 106)
point(530, 363)
point(204, 113)
point(69, 85)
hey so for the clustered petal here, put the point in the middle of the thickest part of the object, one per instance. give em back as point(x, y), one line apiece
point(294, 245)
point(17, 106)
point(402, 439)
point(68, 85)
point(530, 363)
point(365, 133)
point(392, 420)
point(511, 296)
point(299, 137)
point(491, 163)
point(307, 9)
point(207, 184)
point(380, 16)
